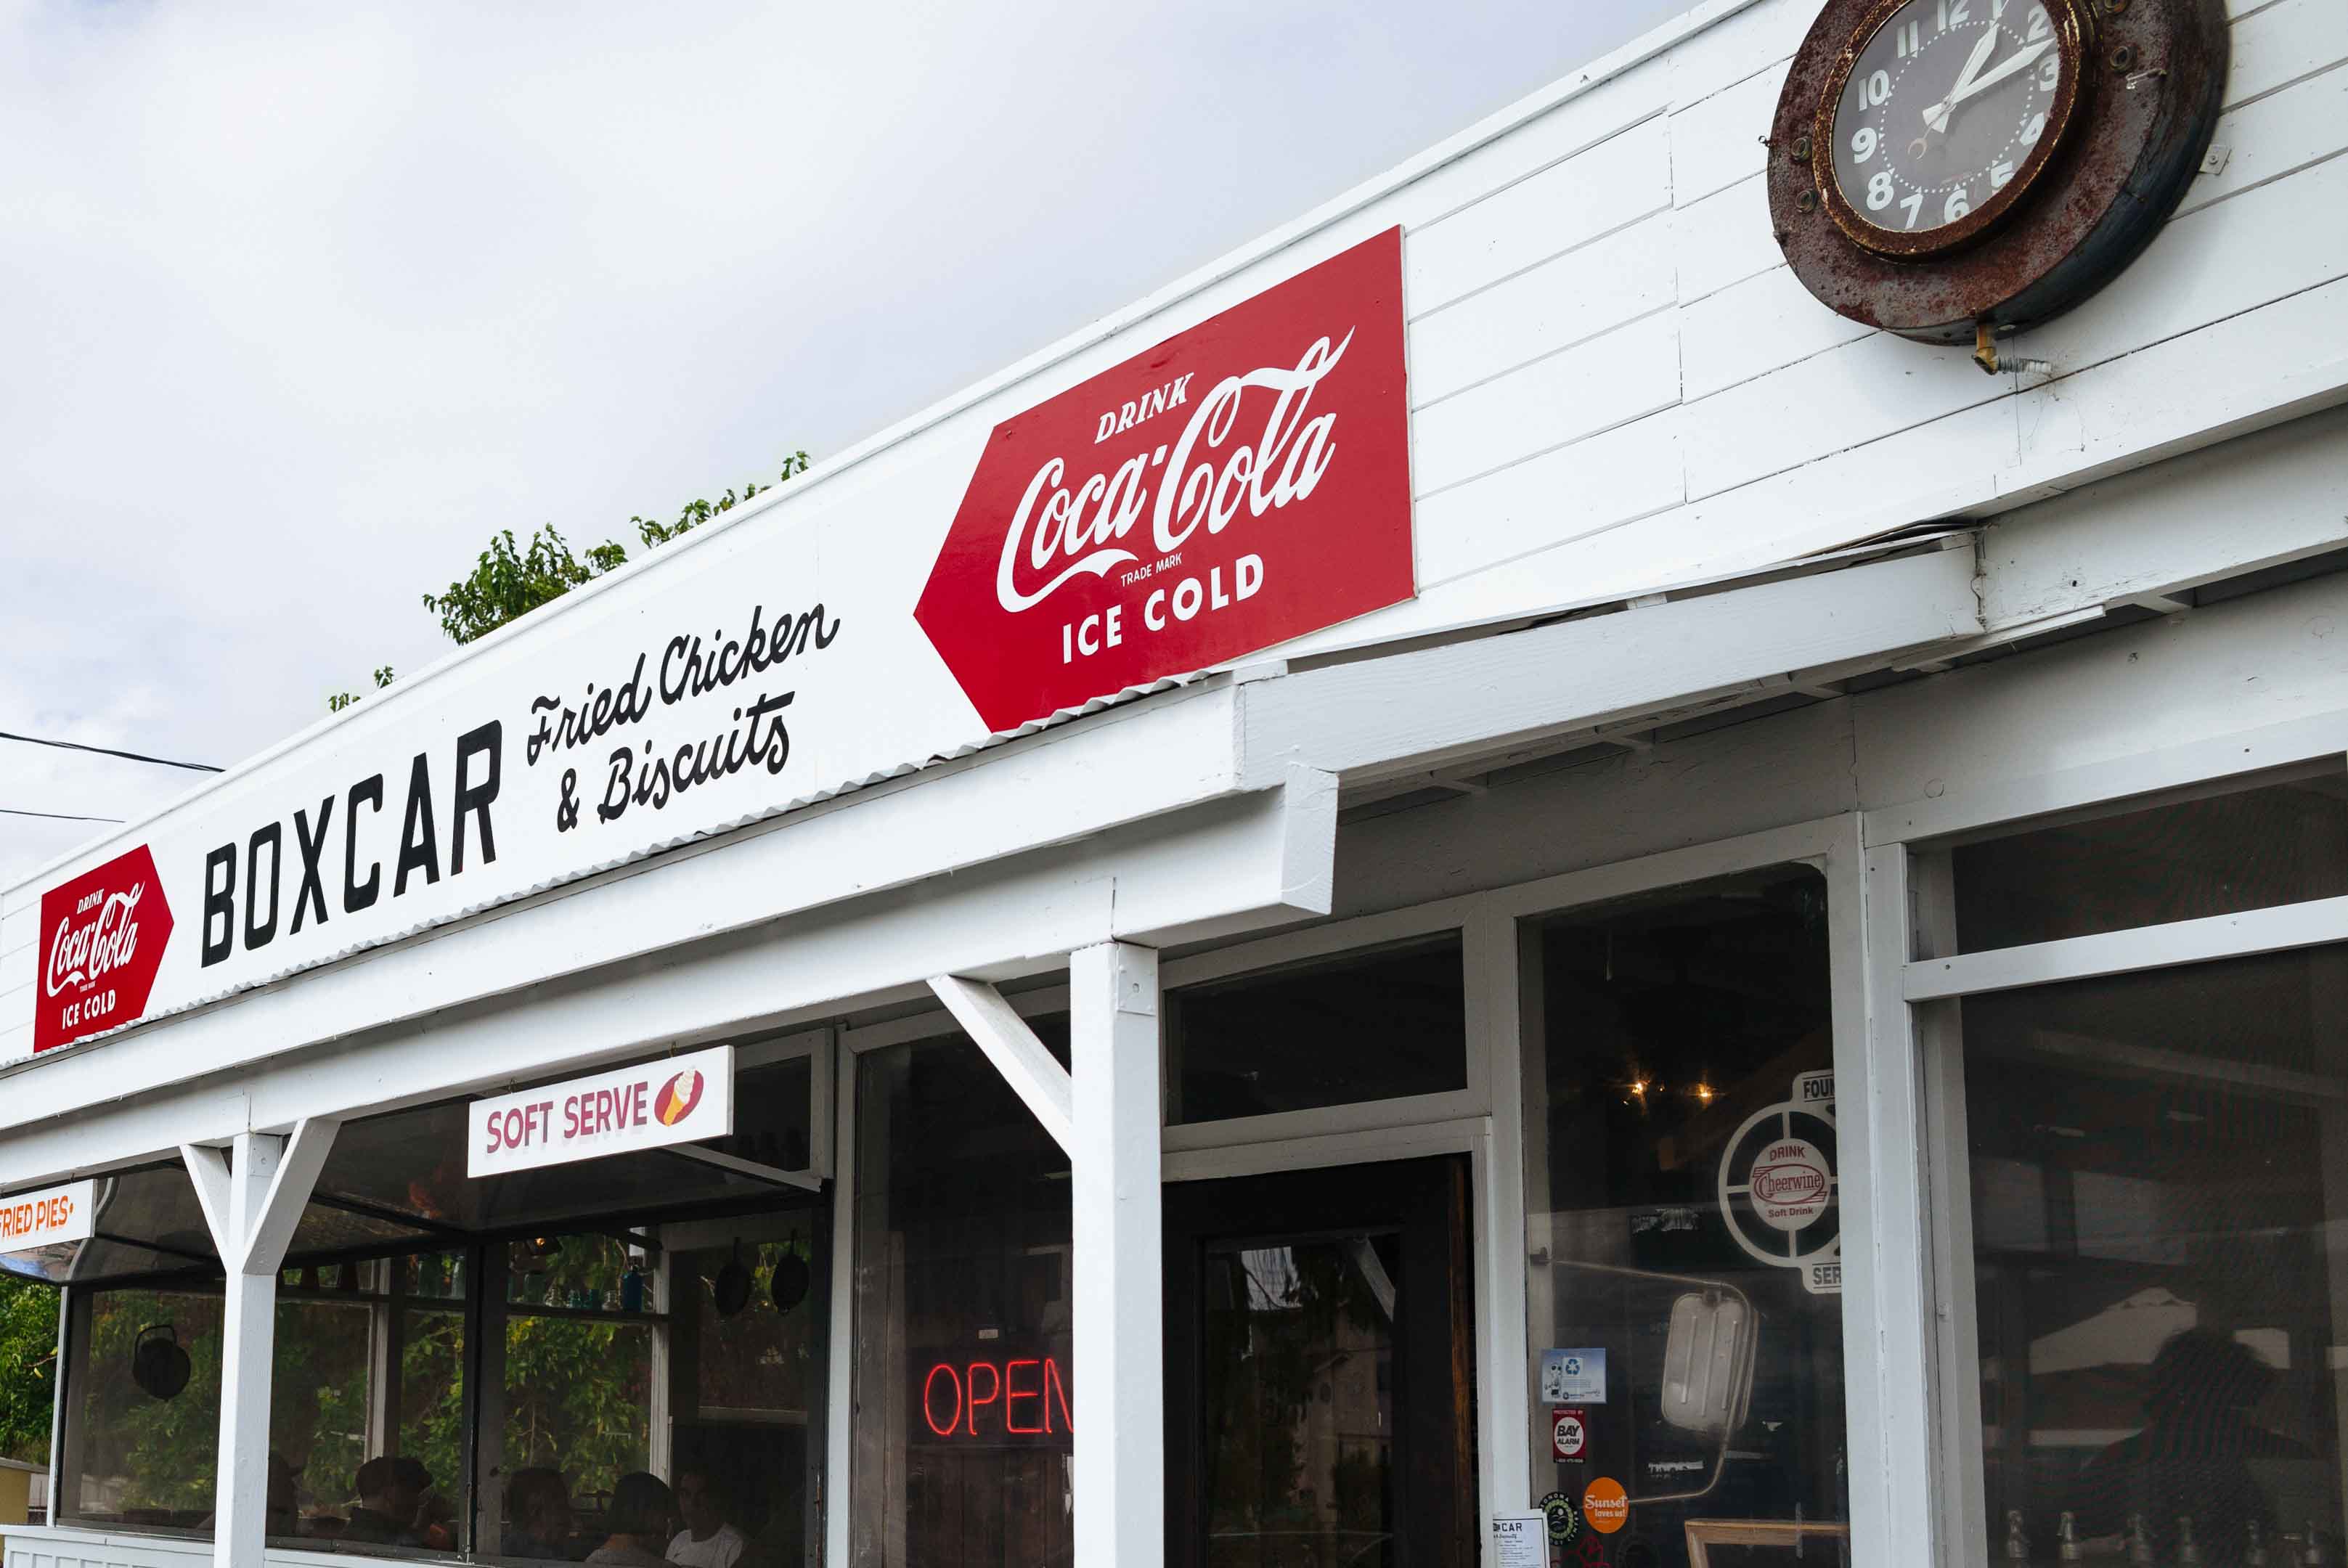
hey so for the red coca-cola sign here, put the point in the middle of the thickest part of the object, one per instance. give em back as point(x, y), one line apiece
point(1241, 484)
point(102, 938)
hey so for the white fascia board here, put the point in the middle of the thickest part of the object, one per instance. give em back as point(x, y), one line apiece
point(1120, 766)
point(1225, 865)
point(2259, 501)
point(1376, 716)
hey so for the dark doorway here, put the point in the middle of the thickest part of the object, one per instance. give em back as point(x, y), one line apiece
point(1320, 1369)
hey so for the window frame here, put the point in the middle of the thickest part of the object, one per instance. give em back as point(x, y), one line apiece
point(1921, 979)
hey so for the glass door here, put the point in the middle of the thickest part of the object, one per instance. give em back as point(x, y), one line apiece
point(1320, 1373)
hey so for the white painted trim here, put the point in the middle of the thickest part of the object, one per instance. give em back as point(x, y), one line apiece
point(2014, 801)
point(1416, 710)
point(1888, 1321)
point(1460, 1136)
point(2278, 930)
point(1041, 1083)
point(1503, 1343)
point(1116, 1203)
point(1322, 1121)
point(839, 1353)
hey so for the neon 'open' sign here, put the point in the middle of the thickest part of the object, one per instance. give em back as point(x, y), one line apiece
point(990, 1402)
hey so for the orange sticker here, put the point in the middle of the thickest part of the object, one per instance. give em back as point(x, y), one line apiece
point(1605, 1506)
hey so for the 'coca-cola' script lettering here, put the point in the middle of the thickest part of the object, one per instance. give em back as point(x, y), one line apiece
point(82, 951)
point(1085, 527)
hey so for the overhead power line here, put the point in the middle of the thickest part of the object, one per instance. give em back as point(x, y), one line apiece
point(55, 815)
point(106, 752)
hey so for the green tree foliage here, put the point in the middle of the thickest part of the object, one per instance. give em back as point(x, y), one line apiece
point(511, 579)
point(28, 1343)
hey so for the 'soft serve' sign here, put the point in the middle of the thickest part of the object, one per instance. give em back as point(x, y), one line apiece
point(676, 1100)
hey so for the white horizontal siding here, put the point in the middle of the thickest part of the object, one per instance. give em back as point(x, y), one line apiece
point(2269, 137)
point(1751, 328)
point(1585, 488)
point(1566, 300)
point(1542, 215)
point(1626, 373)
point(1717, 142)
point(2285, 42)
point(1737, 48)
point(1724, 238)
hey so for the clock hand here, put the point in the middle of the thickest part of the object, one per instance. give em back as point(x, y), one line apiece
point(1937, 116)
point(2006, 67)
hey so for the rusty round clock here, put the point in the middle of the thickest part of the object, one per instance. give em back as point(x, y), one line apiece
point(1953, 169)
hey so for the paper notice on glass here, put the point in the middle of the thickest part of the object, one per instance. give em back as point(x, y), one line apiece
point(1519, 1540)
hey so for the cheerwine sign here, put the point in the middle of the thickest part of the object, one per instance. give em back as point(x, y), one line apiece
point(1241, 484)
point(1244, 482)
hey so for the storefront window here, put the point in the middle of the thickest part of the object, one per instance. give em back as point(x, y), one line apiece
point(963, 1370)
point(366, 1407)
point(578, 1380)
point(1684, 1222)
point(2278, 841)
point(2158, 1179)
point(747, 1338)
point(1375, 1025)
point(144, 1420)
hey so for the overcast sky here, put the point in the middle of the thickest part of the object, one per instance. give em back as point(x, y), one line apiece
point(301, 303)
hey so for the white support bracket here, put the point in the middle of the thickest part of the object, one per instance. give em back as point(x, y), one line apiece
point(1038, 1079)
point(252, 1196)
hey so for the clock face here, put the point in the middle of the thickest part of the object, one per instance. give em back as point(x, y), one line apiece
point(1947, 113)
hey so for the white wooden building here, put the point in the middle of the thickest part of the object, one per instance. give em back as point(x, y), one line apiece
point(1788, 985)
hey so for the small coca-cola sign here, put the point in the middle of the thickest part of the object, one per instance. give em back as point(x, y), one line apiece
point(102, 938)
point(1241, 483)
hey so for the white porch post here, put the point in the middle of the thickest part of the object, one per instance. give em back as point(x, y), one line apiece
point(251, 1199)
point(1119, 1376)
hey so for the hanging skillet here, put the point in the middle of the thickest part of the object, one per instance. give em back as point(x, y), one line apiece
point(790, 1286)
point(159, 1366)
point(731, 1289)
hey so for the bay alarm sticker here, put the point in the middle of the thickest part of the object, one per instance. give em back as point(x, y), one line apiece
point(101, 940)
point(1569, 1434)
point(44, 1218)
point(1241, 484)
point(675, 1100)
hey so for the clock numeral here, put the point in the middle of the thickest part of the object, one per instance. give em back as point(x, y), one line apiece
point(1914, 202)
point(1877, 89)
point(1956, 206)
point(1955, 15)
point(1879, 190)
point(2001, 175)
point(2041, 24)
point(1912, 37)
point(2033, 131)
point(1862, 144)
point(2049, 71)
